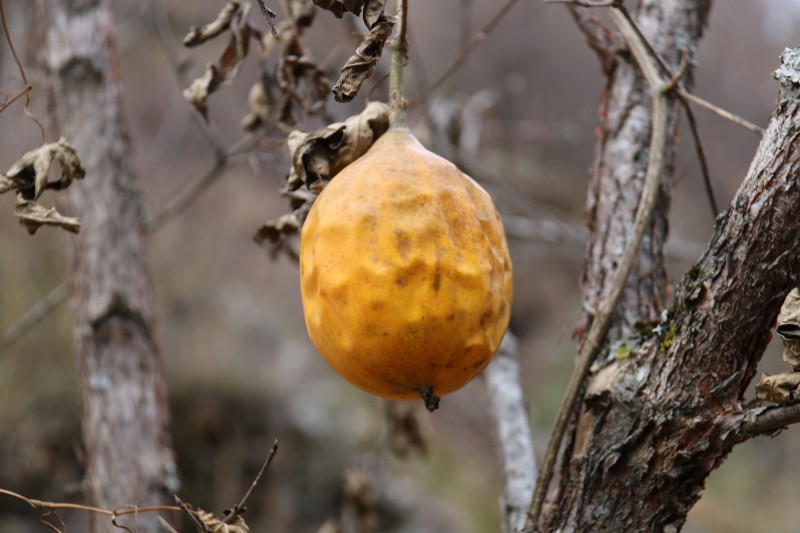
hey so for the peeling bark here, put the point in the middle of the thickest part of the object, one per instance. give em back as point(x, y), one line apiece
point(123, 393)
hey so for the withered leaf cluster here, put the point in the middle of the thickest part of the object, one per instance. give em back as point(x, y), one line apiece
point(28, 177)
point(296, 89)
point(233, 17)
point(362, 64)
point(316, 158)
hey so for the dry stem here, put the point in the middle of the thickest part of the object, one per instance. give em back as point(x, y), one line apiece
point(397, 100)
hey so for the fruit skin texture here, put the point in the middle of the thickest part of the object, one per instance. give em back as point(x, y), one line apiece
point(405, 272)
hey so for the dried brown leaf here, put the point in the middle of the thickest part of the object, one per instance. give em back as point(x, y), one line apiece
point(198, 92)
point(321, 154)
point(340, 7)
point(789, 329)
point(216, 525)
point(258, 102)
point(780, 388)
point(212, 29)
point(33, 216)
point(28, 175)
point(316, 158)
point(361, 65)
point(227, 68)
point(373, 12)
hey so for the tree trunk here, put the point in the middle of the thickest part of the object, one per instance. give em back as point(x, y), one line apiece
point(129, 459)
point(654, 422)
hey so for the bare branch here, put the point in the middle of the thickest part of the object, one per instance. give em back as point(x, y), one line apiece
point(26, 91)
point(768, 420)
point(512, 431)
point(240, 507)
point(736, 119)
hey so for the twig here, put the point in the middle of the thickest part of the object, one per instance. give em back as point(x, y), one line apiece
point(464, 53)
point(761, 421)
point(196, 522)
point(19, 94)
point(512, 429)
point(27, 89)
point(40, 504)
point(34, 315)
point(701, 157)
point(736, 119)
point(188, 195)
point(602, 320)
point(240, 507)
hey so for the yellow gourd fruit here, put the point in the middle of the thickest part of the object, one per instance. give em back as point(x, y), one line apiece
point(405, 273)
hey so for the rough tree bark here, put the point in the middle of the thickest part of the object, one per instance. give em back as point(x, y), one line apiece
point(655, 421)
point(129, 459)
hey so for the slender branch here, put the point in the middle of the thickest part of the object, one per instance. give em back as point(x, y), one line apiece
point(34, 315)
point(39, 504)
point(27, 89)
point(19, 94)
point(701, 157)
point(761, 421)
point(397, 100)
point(240, 507)
point(736, 119)
point(464, 53)
point(602, 321)
point(512, 430)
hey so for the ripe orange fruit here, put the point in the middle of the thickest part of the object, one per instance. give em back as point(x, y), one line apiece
point(405, 273)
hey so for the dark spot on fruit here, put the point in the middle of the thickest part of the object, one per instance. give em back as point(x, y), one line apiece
point(377, 305)
point(403, 243)
point(486, 316)
point(401, 281)
point(451, 317)
point(437, 278)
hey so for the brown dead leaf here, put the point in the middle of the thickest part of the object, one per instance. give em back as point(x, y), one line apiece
point(321, 154)
point(258, 102)
point(33, 216)
point(781, 388)
point(361, 65)
point(212, 29)
point(373, 12)
point(216, 525)
point(28, 175)
point(789, 329)
point(316, 158)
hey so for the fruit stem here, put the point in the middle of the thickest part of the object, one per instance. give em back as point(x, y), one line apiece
point(397, 100)
point(430, 399)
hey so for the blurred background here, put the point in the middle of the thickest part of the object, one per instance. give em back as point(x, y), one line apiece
point(241, 370)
